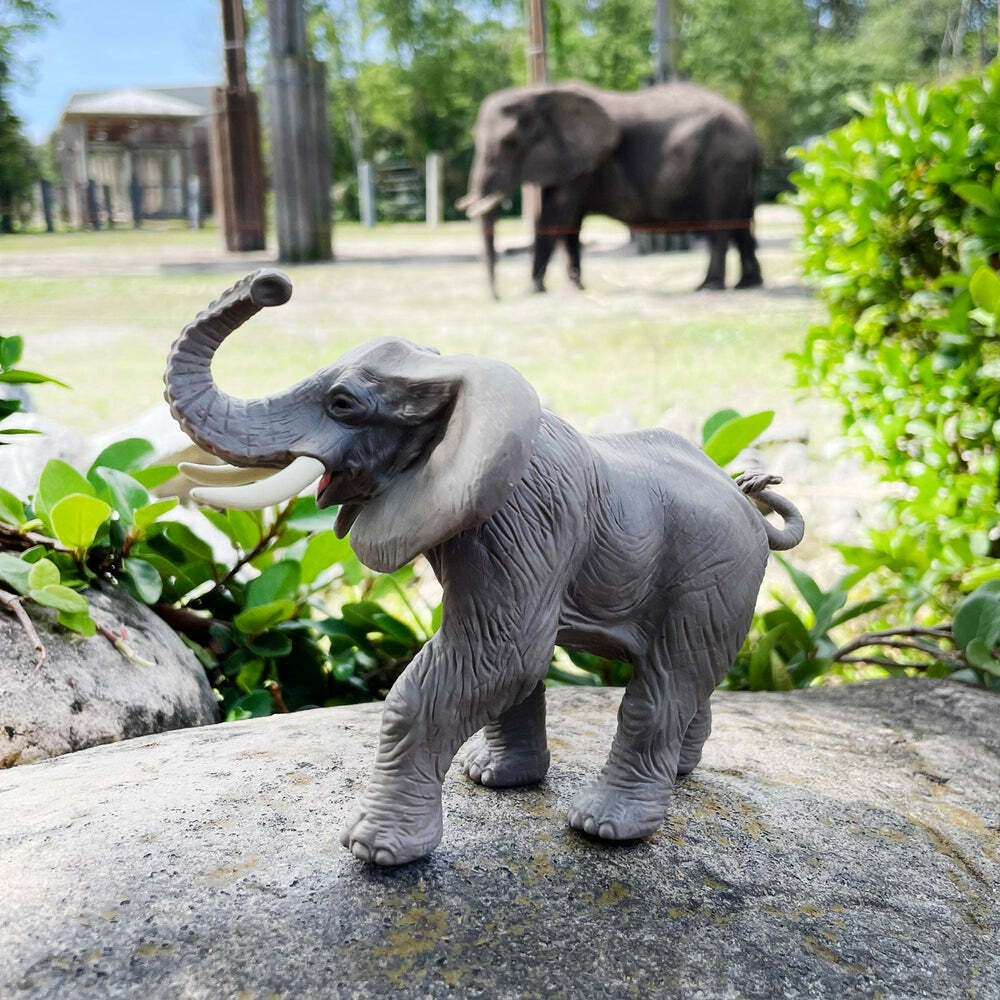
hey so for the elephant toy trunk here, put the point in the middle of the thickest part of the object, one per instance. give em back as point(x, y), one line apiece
point(240, 431)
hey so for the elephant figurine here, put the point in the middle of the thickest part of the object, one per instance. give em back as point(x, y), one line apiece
point(634, 546)
point(674, 157)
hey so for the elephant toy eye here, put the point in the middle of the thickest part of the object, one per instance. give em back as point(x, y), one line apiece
point(343, 405)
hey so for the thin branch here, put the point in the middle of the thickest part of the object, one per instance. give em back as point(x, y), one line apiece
point(21, 540)
point(883, 661)
point(249, 557)
point(886, 637)
point(118, 641)
point(14, 604)
point(952, 655)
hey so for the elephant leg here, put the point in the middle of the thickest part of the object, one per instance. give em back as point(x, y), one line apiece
point(750, 276)
point(573, 252)
point(451, 690)
point(544, 245)
point(666, 700)
point(512, 750)
point(718, 244)
point(698, 731)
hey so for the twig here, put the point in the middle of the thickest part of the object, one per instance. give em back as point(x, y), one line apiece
point(21, 540)
point(14, 604)
point(248, 557)
point(886, 638)
point(118, 641)
point(882, 661)
point(952, 655)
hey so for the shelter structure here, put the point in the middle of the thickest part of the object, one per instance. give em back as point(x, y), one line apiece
point(134, 153)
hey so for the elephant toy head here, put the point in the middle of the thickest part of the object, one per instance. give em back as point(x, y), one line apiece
point(536, 135)
point(415, 447)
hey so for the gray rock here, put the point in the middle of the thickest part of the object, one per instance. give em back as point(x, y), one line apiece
point(839, 842)
point(23, 458)
point(87, 692)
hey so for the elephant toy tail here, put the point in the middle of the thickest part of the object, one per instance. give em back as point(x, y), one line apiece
point(754, 485)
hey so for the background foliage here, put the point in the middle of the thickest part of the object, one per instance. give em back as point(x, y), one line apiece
point(902, 230)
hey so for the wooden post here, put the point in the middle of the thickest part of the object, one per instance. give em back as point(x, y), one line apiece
point(47, 205)
point(664, 40)
point(237, 171)
point(366, 193)
point(194, 201)
point(434, 190)
point(535, 49)
point(93, 212)
point(300, 144)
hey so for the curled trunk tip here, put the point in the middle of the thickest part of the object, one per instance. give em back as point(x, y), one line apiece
point(270, 288)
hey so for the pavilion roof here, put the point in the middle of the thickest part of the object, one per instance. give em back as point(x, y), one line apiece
point(131, 102)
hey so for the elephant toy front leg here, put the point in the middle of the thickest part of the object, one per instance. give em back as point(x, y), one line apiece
point(448, 692)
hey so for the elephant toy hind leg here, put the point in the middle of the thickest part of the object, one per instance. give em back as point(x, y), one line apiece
point(750, 276)
point(663, 721)
point(512, 750)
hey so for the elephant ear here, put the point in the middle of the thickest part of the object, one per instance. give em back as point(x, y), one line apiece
point(481, 454)
point(573, 135)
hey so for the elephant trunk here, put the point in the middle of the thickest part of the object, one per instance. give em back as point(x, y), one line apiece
point(488, 222)
point(253, 432)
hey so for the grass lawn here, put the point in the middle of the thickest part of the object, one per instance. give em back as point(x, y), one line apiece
point(99, 311)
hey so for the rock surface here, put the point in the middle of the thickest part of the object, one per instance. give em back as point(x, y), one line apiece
point(87, 692)
point(834, 843)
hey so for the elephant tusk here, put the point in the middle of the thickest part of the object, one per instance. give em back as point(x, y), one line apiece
point(222, 475)
point(480, 206)
point(283, 485)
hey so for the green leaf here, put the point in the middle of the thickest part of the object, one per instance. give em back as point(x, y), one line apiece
point(127, 455)
point(271, 644)
point(250, 675)
point(307, 517)
point(977, 617)
point(59, 597)
point(78, 621)
point(11, 509)
point(374, 618)
point(731, 438)
point(187, 541)
point(980, 655)
point(761, 678)
point(76, 518)
point(259, 619)
point(43, 573)
point(155, 475)
point(984, 287)
point(145, 516)
point(979, 195)
point(10, 351)
point(254, 705)
point(237, 525)
point(121, 490)
point(144, 578)
point(322, 551)
point(19, 377)
point(15, 572)
point(58, 480)
point(858, 609)
point(718, 419)
point(279, 582)
point(805, 585)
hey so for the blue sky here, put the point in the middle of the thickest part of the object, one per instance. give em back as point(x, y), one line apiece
point(100, 44)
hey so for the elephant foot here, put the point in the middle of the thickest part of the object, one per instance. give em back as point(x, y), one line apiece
point(712, 285)
point(538, 286)
point(505, 767)
point(617, 813)
point(688, 762)
point(575, 280)
point(380, 837)
point(749, 281)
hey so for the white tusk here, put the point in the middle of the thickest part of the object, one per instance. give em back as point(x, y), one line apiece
point(283, 485)
point(222, 475)
point(482, 205)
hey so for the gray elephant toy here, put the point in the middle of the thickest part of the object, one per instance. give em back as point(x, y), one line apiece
point(634, 546)
point(670, 158)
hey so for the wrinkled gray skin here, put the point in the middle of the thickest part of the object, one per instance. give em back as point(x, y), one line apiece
point(663, 156)
point(634, 546)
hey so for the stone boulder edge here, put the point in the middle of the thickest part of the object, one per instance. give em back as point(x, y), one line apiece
point(838, 842)
point(87, 692)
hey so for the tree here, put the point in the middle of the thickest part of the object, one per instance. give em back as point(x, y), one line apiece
point(19, 167)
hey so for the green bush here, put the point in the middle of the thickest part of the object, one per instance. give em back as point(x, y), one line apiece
point(901, 208)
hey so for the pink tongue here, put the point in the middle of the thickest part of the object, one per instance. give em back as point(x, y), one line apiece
point(323, 483)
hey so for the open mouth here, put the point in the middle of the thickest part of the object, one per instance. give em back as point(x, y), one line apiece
point(348, 487)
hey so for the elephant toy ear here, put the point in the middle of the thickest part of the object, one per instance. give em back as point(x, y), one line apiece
point(465, 478)
point(573, 135)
